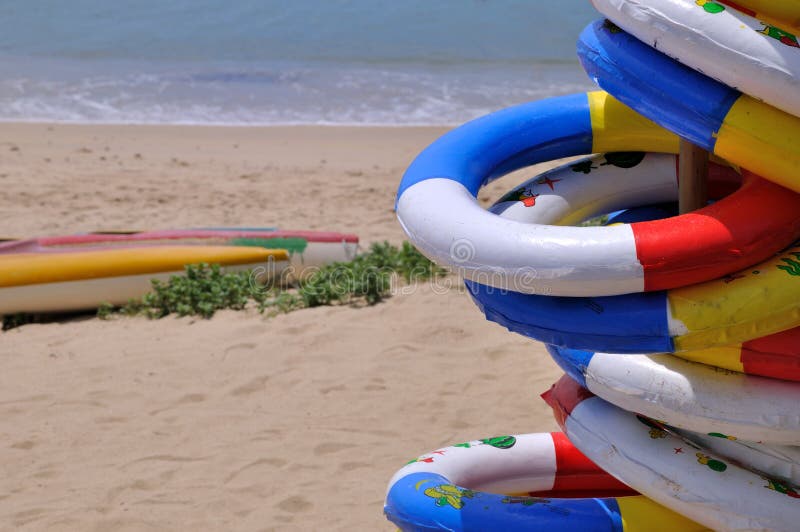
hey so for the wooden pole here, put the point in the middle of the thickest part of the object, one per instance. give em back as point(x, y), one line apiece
point(692, 177)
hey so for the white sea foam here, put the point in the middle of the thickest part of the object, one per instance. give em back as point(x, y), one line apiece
point(340, 94)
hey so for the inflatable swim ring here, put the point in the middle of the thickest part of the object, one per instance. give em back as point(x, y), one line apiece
point(449, 489)
point(689, 395)
point(775, 356)
point(437, 208)
point(720, 119)
point(604, 183)
point(714, 313)
point(690, 480)
point(730, 46)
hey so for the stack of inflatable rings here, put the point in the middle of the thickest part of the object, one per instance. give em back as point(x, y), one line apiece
point(679, 335)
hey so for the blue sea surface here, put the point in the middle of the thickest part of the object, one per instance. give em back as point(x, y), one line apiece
point(280, 62)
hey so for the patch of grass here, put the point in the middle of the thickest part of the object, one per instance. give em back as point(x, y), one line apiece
point(279, 301)
point(201, 291)
point(413, 266)
point(105, 311)
point(368, 277)
point(205, 289)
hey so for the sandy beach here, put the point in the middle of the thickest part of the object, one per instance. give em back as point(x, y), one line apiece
point(240, 422)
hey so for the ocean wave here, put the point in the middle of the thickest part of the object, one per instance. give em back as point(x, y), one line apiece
point(280, 93)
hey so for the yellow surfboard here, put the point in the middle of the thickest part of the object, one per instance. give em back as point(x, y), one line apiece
point(57, 282)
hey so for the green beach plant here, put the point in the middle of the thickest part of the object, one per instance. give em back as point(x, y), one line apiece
point(205, 289)
point(202, 291)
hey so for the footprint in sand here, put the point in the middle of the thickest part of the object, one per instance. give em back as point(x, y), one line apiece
point(46, 473)
point(29, 399)
point(459, 424)
point(186, 399)
point(254, 385)
point(352, 466)
point(376, 384)
point(191, 398)
point(28, 516)
point(400, 349)
point(331, 447)
point(110, 419)
point(496, 353)
point(336, 388)
point(294, 504)
point(271, 462)
point(243, 346)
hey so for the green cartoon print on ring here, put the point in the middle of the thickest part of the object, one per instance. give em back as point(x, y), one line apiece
point(449, 495)
point(501, 442)
point(710, 6)
point(713, 464)
point(781, 487)
point(498, 442)
point(792, 266)
point(782, 36)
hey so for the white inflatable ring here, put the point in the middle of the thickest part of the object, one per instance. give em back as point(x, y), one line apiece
point(691, 481)
point(730, 46)
point(438, 210)
point(652, 322)
point(529, 482)
point(689, 395)
point(601, 184)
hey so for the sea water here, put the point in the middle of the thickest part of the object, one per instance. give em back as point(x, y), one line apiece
point(284, 61)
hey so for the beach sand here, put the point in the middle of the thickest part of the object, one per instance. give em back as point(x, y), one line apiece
point(240, 422)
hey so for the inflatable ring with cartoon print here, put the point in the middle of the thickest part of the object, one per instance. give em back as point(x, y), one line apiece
point(718, 118)
point(725, 318)
point(525, 482)
point(689, 395)
point(728, 45)
point(677, 473)
point(438, 210)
